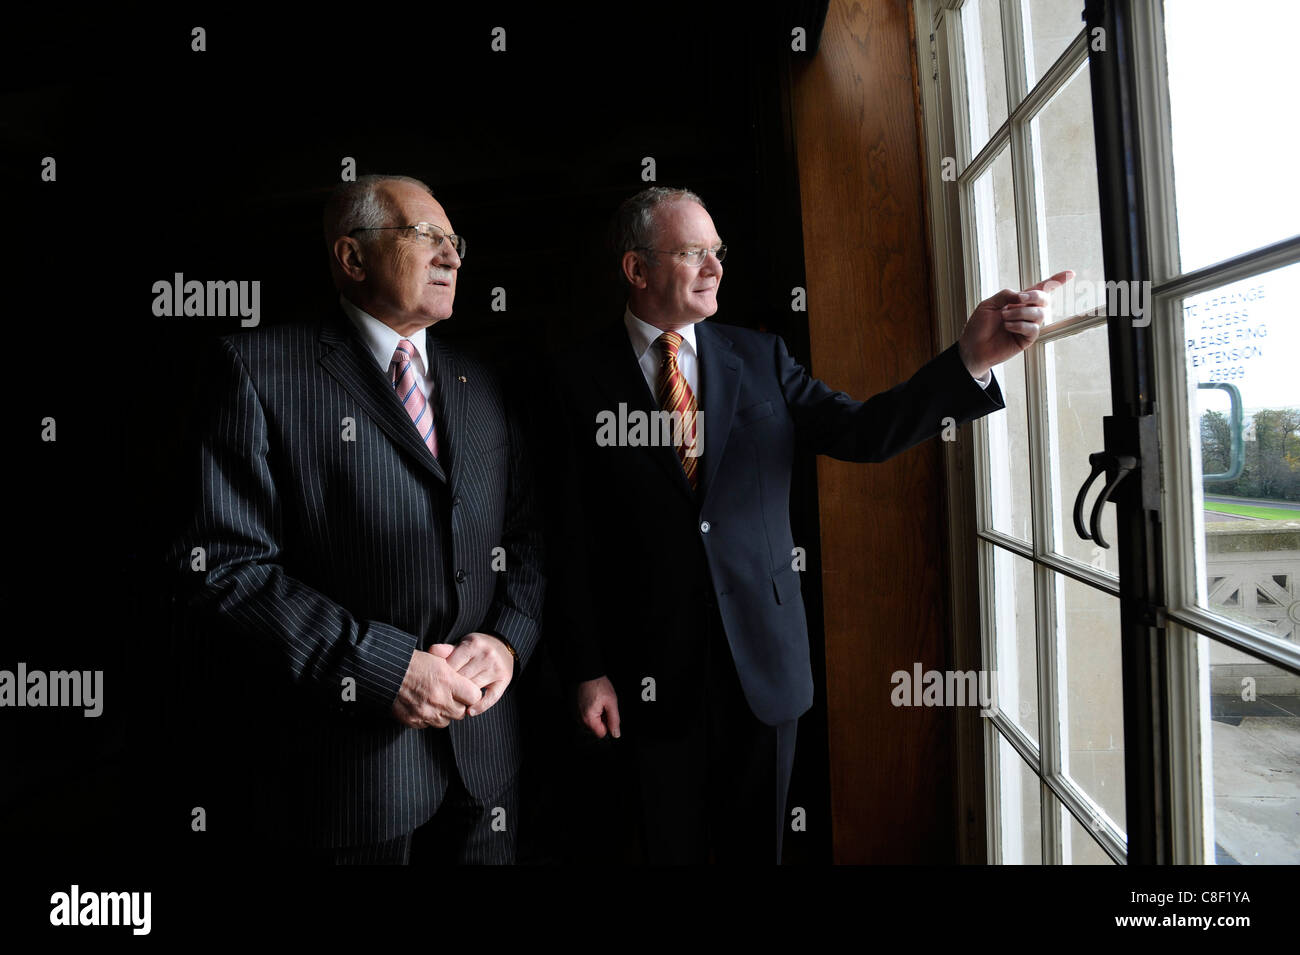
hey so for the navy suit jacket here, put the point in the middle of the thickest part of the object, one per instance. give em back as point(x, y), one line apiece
point(336, 544)
point(642, 560)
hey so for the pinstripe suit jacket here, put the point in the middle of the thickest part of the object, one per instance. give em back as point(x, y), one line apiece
point(336, 544)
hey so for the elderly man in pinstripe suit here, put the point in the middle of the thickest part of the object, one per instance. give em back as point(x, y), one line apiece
point(364, 526)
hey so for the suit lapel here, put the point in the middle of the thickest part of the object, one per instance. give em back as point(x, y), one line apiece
point(619, 376)
point(450, 414)
point(720, 372)
point(345, 357)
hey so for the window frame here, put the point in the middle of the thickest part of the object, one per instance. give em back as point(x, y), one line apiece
point(943, 112)
point(1190, 626)
point(1187, 627)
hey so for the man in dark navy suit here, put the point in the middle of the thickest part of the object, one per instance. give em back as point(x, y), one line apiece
point(363, 546)
point(678, 608)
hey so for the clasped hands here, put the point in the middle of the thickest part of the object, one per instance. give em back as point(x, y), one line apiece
point(451, 681)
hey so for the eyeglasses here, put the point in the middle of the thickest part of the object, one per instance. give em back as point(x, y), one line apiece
point(426, 231)
point(689, 256)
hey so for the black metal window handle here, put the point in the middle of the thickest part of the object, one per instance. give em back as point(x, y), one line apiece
point(1116, 467)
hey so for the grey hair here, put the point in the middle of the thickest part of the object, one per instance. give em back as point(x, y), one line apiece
point(633, 227)
point(361, 205)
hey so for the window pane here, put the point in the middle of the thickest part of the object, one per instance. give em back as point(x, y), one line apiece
point(1020, 815)
point(1232, 77)
point(995, 227)
point(1049, 26)
point(1008, 452)
point(1078, 847)
point(1252, 758)
point(1065, 186)
point(1091, 693)
point(1245, 336)
point(1017, 654)
point(986, 84)
point(1078, 397)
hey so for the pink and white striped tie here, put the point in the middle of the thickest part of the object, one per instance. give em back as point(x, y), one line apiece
point(408, 390)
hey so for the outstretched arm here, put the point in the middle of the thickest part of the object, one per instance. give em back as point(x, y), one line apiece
point(942, 392)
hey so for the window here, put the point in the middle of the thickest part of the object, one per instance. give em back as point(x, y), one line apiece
point(1224, 218)
point(1026, 197)
point(1014, 197)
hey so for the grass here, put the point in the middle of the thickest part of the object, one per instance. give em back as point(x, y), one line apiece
point(1247, 510)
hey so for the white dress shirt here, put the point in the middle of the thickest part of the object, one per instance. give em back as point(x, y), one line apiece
point(643, 336)
point(382, 343)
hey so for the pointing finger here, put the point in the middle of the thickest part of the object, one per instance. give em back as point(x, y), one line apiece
point(1055, 282)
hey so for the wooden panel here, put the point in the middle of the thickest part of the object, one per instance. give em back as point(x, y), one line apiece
point(882, 525)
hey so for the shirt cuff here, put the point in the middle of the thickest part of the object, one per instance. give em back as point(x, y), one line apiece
point(985, 381)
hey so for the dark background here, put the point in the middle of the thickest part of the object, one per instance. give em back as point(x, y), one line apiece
point(216, 165)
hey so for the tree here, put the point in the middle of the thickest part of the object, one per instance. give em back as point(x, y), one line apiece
point(1216, 442)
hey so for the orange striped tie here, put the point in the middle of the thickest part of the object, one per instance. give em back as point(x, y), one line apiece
point(675, 397)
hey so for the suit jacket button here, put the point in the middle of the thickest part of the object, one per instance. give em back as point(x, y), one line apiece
point(460, 576)
point(704, 527)
point(455, 501)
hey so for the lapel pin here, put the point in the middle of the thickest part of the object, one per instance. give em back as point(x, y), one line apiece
point(462, 378)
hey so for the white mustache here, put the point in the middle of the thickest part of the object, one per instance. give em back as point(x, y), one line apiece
point(441, 274)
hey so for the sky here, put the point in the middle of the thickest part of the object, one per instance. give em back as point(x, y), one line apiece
point(1234, 75)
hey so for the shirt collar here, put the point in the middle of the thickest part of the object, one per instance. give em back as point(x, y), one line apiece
point(644, 335)
point(379, 338)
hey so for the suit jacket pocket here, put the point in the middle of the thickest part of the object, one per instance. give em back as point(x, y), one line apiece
point(747, 416)
point(785, 582)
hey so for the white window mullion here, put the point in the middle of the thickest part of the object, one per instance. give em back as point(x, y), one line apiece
point(1052, 707)
point(1013, 54)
